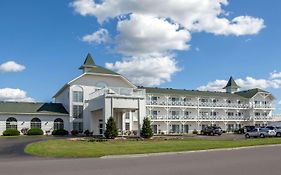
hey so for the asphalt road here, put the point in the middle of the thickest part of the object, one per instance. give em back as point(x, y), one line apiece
point(253, 161)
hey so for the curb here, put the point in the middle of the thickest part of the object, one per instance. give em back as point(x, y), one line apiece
point(186, 152)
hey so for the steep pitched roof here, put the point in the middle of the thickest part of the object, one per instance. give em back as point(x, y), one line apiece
point(90, 63)
point(32, 108)
point(250, 93)
point(231, 83)
point(189, 92)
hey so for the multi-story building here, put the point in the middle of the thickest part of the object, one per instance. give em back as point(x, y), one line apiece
point(86, 103)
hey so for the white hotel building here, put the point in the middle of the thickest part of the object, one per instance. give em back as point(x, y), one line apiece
point(87, 101)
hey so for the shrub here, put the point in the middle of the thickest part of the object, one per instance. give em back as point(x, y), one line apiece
point(194, 131)
point(60, 132)
point(87, 133)
point(74, 132)
point(11, 132)
point(111, 129)
point(35, 131)
point(24, 131)
point(146, 130)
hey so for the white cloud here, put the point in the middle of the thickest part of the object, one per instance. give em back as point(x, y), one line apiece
point(100, 36)
point(247, 83)
point(147, 71)
point(9, 94)
point(157, 27)
point(275, 75)
point(194, 15)
point(143, 34)
point(11, 66)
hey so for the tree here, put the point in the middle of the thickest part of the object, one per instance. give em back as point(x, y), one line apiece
point(111, 129)
point(146, 130)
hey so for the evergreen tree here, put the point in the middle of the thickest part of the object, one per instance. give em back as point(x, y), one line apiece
point(111, 129)
point(146, 131)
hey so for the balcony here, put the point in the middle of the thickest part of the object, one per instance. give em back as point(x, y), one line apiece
point(263, 106)
point(200, 104)
point(195, 118)
point(120, 92)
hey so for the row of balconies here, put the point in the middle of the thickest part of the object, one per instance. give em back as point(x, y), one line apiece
point(207, 104)
point(220, 117)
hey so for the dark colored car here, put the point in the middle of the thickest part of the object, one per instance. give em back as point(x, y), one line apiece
point(245, 129)
point(212, 130)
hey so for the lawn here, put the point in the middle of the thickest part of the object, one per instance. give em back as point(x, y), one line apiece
point(67, 148)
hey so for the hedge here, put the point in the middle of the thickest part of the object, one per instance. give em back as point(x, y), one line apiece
point(35, 131)
point(11, 132)
point(60, 132)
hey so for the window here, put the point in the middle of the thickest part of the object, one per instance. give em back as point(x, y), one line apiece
point(77, 96)
point(230, 113)
point(203, 100)
point(78, 126)
point(229, 101)
point(58, 124)
point(186, 113)
point(127, 115)
point(154, 98)
point(35, 123)
point(257, 114)
point(11, 123)
point(77, 111)
point(154, 113)
point(214, 113)
point(127, 126)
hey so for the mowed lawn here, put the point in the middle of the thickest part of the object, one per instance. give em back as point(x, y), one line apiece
point(67, 148)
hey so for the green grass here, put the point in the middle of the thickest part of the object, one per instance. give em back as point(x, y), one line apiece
point(66, 148)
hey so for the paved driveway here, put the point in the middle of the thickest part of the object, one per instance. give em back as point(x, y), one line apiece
point(253, 161)
point(12, 148)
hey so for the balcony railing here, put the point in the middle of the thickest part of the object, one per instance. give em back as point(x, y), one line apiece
point(128, 92)
point(195, 104)
point(213, 118)
point(262, 106)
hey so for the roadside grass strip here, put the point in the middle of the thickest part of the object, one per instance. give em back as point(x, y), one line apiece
point(82, 149)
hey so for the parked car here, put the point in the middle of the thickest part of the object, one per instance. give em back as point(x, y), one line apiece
point(260, 132)
point(245, 129)
point(212, 130)
point(276, 129)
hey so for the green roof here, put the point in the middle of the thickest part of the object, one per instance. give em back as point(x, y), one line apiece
point(171, 91)
point(250, 93)
point(231, 83)
point(32, 108)
point(89, 63)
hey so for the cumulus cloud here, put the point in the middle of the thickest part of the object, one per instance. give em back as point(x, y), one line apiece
point(247, 83)
point(100, 36)
point(10, 94)
point(142, 35)
point(149, 71)
point(11, 66)
point(275, 75)
point(160, 28)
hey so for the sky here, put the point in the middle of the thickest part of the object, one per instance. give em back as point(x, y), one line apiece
point(186, 44)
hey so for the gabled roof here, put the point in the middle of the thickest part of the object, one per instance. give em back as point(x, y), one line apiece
point(231, 83)
point(196, 93)
point(89, 63)
point(32, 108)
point(251, 93)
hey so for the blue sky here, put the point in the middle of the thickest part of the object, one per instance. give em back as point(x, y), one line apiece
point(46, 37)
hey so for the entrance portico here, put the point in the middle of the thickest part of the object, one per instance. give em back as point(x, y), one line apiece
point(126, 106)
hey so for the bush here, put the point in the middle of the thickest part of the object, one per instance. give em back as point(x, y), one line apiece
point(194, 131)
point(60, 132)
point(35, 131)
point(146, 130)
point(111, 129)
point(74, 132)
point(87, 133)
point(11, 132)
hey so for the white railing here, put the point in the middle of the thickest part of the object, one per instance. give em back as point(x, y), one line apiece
point(195, 104)
point(118, 92)
point(180, 117)
point(262, 106)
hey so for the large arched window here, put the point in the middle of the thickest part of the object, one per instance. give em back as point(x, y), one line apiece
point(11, 123)
point(58, 124)
point(35, 123)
